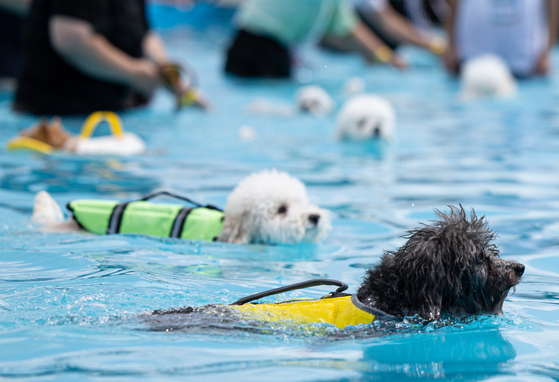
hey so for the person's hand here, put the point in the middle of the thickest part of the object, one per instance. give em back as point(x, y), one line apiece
point(383, 54)
point(185, 93)
point(437, 45)
point(543, 66)
point(397, 62)
point(145, 77)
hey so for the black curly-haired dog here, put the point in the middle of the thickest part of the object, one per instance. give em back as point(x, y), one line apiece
point(448, 268)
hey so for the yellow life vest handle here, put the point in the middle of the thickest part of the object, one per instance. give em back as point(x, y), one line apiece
point(302, 285)
point(94, 119)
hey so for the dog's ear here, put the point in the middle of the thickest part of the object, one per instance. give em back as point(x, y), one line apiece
point(406, 283)
point(424, 279)
point(236, 229)
point(424, 270)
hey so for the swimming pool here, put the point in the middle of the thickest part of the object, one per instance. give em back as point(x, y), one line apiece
point(69, 302)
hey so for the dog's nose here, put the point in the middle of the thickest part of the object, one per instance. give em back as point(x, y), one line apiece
point(309, 106)
point(314, 218)
point(519, 269)
point(376, 132)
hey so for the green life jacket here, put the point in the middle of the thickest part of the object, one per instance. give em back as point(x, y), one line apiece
point(143, 217)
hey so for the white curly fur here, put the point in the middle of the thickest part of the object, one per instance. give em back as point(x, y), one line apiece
point(45, 210)
point(255, 211)
point(315, 100)
point(48, 215)
point(365, 117)
point(486, 76)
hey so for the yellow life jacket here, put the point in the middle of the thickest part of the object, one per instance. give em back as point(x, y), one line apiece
point(338, 311)
point(337, 308)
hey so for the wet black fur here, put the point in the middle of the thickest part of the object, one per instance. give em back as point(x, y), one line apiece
point(449, 267)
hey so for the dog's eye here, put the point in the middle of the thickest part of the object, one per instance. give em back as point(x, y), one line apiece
point(282, 209)
point(362, 123)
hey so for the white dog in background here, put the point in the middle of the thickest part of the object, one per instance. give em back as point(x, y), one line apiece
point(315, 100)
point(308, 99)
point(366, 117)
point(266, 207)
point(486, 76)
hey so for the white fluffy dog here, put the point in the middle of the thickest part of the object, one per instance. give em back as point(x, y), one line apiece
point(309, 99)
point(486, 76)
point(315, 100)
point(265, 207)
point(272, 207)
point(365, 117)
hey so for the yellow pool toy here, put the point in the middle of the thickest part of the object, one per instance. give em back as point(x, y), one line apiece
point(89, 126)
point(94, 119)
point(26, 143)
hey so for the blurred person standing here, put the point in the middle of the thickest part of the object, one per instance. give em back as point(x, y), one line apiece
point(86, 55)
point(269, 28)
point(521, 32)
point(12, 17)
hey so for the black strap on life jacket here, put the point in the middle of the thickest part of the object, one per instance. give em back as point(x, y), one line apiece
point(159, 193)
point(178, 223)
point(116, 218)
point(302, 285)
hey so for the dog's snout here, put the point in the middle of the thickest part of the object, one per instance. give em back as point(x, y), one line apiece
point(314, 218)
point(376, 132)
point(309, 105)
point(518, 268)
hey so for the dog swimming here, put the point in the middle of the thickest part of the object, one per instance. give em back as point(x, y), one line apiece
point(268, 207)
point(366, 117)
point(487, 76)
point(310, 99)
point(449, 268)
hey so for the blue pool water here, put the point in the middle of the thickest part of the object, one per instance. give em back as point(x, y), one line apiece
point(71, 304)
